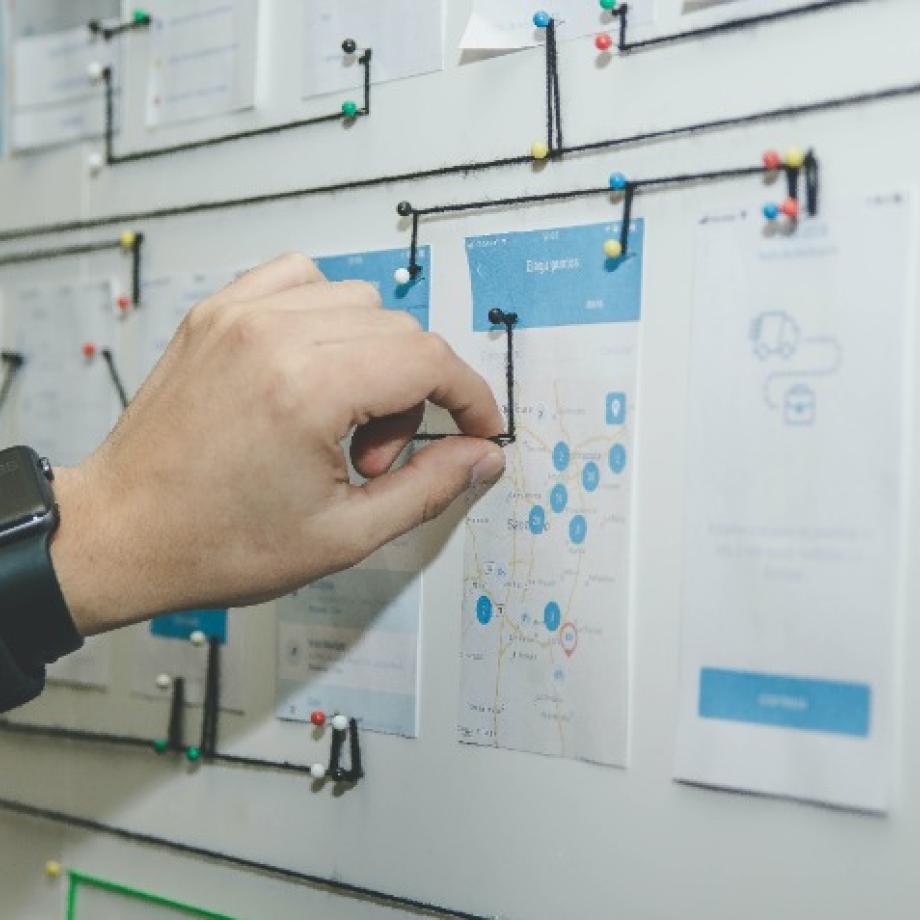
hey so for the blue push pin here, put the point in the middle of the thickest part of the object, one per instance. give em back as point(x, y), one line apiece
point(770, 211)
point(542, 19)
point(618, 181)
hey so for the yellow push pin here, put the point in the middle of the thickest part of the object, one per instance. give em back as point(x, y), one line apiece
point(53, 869)
point(795, 158)
point(127, 239)
point(539, 150)
point(613, 249)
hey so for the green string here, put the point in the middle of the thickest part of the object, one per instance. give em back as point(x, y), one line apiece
point(76, 879)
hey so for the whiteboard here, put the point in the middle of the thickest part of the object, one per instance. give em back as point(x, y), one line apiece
point(489, 832)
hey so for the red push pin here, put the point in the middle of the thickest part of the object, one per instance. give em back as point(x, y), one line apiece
point(123, 303)
point(89, 351)
point(790, 207)
point(318, 718)
point(772, 160)
point(603, 42)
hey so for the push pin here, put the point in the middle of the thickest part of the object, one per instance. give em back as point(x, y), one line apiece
point(318, 718)
point(771, 211)
point(603, 41)
point(339, 722)
point(317, 770)
point(94, 71)
point(542, 19)
point(94, 162)
point(127, 239)
point(163, 681)
point(539, 150)
point(790, 207)
point(795, 158)
point(609, 5)
point(192, 754)
point(141, 17)
point(161, 745)
point(772, 160)
point(349, 109)
point(613, 249)
point(197, 638)
point(89, 351)
point(123, 303)
point(618, 182)
point(349, 46)
point(402, 276)
point(404, 209)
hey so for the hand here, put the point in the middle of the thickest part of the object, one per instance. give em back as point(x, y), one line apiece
point(225, 482)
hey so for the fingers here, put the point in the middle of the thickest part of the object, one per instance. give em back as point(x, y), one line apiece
point(331, 295)
point(376, 445)
point(412, 369)
point(393, 504)
point(293, 269)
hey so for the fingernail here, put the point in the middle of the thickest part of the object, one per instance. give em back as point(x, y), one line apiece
point(488, 469)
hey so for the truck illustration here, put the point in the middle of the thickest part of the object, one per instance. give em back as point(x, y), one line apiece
point(774, 332)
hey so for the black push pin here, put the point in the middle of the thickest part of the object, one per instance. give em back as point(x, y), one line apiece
point(349, 46)
point(404, 209)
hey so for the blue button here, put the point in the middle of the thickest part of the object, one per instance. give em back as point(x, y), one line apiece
point(802, 703)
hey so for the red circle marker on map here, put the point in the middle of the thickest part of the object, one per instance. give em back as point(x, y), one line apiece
point(568, 638)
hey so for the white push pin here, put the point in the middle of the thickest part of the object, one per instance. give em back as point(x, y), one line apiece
point(94, 162)
point(402, 276)
point(94, 71)
point(197, 638)
point(339, 722)
point(317, 770)
point(164, 681)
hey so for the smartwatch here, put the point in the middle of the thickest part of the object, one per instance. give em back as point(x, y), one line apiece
point(35, 624)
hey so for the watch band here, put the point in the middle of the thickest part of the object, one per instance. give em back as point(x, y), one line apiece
point(34, 620)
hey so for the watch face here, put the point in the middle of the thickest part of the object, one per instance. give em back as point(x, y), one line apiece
point(23, 494)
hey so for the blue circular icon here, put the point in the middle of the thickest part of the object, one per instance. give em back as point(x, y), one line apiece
point(578, 529)
point(617, 458)
point(537, 519)
point(561, 456)
point(590, 476)
point(558, 498)
point(552, 616)
point(483, 609)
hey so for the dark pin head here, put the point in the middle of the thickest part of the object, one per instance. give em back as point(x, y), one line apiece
point(404, 209)
point(496, 316)
point(349, 46)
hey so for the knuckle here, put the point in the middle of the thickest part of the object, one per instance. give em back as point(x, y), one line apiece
point(438, 349)
point(298, 264)
point(198, 318)
point(362, 293)
point(405, 320)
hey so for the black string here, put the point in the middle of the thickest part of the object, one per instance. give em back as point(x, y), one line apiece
point(627, 217)
point(97, 27)
point(109, 359)
point(211, 703)
point(241, 862)
point(550, 31)
point(174, 731)
point(728, 25)
point(113, 159)
point(12, 362)
point(59, 252)
point(508, 320)
point(888, 93)
point(554, 79)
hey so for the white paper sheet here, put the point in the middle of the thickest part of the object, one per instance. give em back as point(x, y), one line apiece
point(406, 38)
point(54, 101)
point(793, 518)
point(202, 59)
point(545, 617)
point(503, 25)
point(65, 403)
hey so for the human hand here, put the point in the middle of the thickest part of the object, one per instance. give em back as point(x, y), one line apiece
point(225, 482)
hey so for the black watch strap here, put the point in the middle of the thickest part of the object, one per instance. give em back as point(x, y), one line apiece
point(35, 623)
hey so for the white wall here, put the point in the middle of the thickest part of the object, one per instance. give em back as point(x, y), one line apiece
point(491, 832)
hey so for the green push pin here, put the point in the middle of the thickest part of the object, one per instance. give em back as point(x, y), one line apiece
point(192, 754)
point(349, 109)
point(141, 16)
point(608, 4)
point(161, 745)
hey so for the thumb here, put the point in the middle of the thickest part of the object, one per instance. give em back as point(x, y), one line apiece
point(394, 503)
